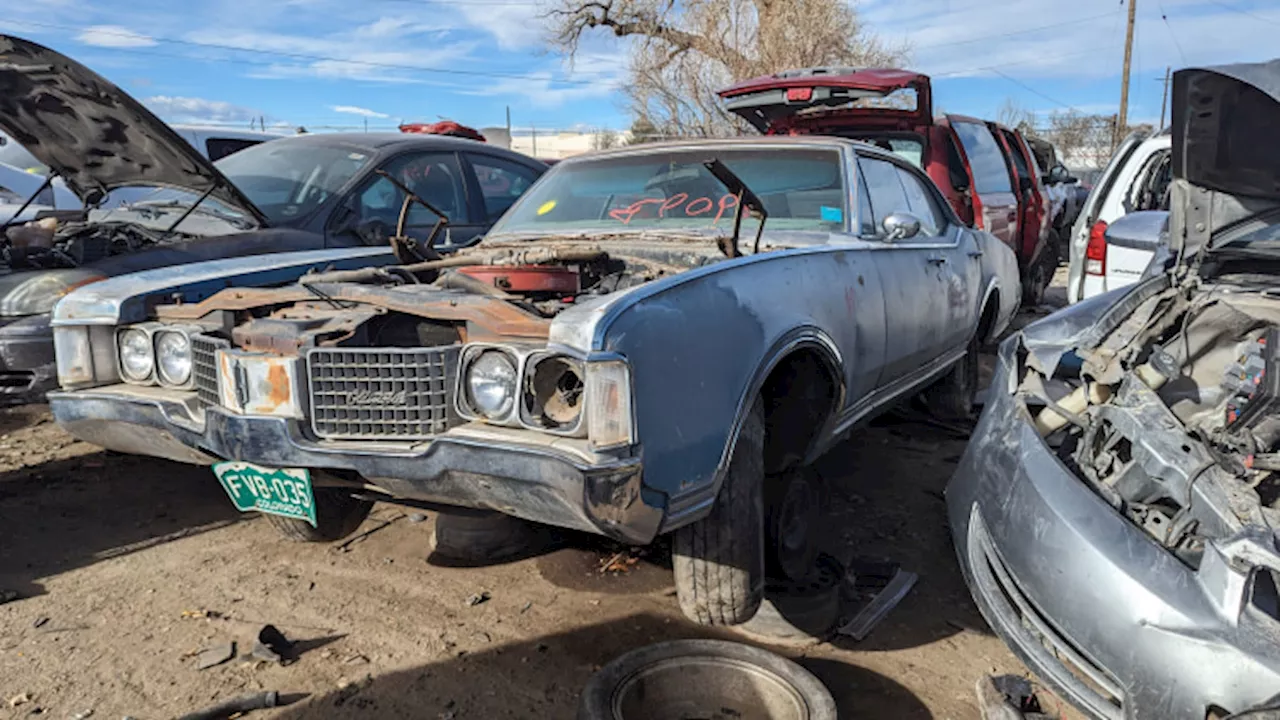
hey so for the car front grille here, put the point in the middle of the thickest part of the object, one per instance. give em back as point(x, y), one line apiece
point(204, 367)
point(382, 393)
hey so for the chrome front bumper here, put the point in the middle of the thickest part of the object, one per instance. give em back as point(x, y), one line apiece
point(540, 478)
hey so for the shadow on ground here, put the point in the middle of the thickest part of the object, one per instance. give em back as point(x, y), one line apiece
point(542, 678)
point(72, 512)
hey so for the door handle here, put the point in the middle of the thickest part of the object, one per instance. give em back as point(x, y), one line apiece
point(975, 253)
point(937, 260)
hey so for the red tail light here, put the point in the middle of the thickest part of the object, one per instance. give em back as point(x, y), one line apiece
point(1095, 253)
point(799, 94)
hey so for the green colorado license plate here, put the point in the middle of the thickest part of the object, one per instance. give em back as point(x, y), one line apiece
point(279, 491)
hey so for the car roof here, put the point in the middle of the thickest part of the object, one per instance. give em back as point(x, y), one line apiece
point(389, 142)
point(823, 141)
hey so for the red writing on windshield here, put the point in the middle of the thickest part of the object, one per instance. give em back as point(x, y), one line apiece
point(661, 206)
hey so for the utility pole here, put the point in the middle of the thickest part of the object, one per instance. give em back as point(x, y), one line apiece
point(1164, 98)
point(1123, 121)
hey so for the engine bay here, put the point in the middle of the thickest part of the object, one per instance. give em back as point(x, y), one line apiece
point(48, 244)
point(1172, 417)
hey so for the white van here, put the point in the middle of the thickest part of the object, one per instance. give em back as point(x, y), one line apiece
point(1137, 178)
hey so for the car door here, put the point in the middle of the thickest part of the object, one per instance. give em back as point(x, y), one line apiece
point(992, 185)
point(373, 210)
point(960, 269)
point(911, 273)
point(1026, 188)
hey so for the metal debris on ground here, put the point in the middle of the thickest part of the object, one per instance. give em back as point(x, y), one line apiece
point(40, 622)
point(1009, 697)
point(360, 537)
point(478, 598)
point(216, 655)
point(621, 562)
point(271, 646)
point(236, 706)
point(885, 583)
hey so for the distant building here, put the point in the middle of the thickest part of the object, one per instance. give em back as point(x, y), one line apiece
point(553, 144)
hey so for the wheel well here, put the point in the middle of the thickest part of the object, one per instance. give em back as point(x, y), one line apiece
point(988, 319)
point(798, 397)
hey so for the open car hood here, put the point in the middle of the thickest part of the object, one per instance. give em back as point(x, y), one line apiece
point(823, 96)
point(1226, 162)
point(93, 134)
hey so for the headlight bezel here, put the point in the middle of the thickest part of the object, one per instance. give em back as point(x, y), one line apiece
point(528, 391)
point(464, 403)
point(147, 330)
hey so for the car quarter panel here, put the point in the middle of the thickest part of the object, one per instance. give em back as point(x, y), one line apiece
point(700, 347)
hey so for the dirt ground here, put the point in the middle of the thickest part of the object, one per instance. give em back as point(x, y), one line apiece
point(126, 567)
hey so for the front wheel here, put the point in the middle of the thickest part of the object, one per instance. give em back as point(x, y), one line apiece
point(719, 560)
point(338, 514)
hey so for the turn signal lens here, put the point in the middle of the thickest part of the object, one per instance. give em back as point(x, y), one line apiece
point(608, 396)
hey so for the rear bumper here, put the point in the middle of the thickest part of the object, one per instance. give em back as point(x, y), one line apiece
point(1106, 616)
point(27, 369)
point(515, 472)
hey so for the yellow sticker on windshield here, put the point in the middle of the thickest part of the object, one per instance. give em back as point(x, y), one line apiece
point(547, 207)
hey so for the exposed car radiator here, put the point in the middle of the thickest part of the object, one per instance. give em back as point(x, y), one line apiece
point(382, 393)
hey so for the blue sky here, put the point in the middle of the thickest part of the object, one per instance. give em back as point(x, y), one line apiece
point(341, 63)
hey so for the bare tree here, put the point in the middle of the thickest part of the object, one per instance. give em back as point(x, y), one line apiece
point(604, 138)
point(682, 51)
point(1013, 115)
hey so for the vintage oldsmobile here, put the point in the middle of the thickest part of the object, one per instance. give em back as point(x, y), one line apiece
point(1116, 512)
point(652, 340)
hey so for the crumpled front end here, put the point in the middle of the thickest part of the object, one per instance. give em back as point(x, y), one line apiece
point(1103, 527)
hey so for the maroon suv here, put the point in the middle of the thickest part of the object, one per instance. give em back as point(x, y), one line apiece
point(985, 170)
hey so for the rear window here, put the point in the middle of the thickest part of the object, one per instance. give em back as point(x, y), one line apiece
point(990, 173)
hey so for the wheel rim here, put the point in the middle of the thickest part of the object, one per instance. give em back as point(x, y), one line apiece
point(794, 529)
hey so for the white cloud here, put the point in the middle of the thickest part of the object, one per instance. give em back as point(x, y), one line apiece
point(191, 109)
point(113, 36)
point(1038, 39)
point(356, 110)
point(513, 26)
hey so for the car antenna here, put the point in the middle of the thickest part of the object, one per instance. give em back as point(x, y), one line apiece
point(406, 248)
point(746, 199)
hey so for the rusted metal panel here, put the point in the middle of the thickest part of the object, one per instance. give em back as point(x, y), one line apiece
point(261, 384)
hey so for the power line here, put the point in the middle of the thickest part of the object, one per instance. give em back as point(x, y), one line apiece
point(304, 56)
point(989, 37)
point(1165, 17)
point(1242, 11)
point(1032, 90)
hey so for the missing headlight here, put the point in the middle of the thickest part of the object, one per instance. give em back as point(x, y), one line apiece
point(553, 393)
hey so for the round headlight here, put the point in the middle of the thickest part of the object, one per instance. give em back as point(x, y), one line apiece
point(491, 384)
point(173, 357)
point(136, 359)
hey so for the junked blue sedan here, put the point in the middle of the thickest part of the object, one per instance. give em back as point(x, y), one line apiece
point(652, 340)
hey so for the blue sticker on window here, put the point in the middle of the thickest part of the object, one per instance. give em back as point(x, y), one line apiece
point(832, 214)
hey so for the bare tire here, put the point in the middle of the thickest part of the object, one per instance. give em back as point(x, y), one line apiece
point(337, 516)
point(719, 560)
point(475, 537)
point(951, 398)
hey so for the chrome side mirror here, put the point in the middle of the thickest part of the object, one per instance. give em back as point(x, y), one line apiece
point(900, 226)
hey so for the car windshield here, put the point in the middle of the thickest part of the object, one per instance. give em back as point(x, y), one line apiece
point(11, 153)
point(288, 180)
point(671, 189)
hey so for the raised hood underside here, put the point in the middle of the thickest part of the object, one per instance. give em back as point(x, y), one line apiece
point(788, 99)
point(1223, 132)
point(92, 133)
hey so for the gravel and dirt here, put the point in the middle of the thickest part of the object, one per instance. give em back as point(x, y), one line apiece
point(126, 568)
